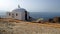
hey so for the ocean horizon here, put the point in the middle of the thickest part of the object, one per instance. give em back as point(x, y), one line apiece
point(36, 15)
point(45, 15)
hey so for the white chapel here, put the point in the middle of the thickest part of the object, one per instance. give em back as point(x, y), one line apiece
point(18, 13)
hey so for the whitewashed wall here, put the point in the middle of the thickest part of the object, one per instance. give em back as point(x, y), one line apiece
point(7, 15)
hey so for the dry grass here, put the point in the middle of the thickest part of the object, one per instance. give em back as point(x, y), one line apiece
point(10, 26)
point(57, 25)
point(10, 20)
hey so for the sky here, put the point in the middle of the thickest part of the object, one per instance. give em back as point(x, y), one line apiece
point(31, 5)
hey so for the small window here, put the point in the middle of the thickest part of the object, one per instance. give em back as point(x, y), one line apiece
point(9, 14)
point(16, 14)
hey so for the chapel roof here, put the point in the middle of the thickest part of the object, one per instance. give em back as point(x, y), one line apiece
point(19, 9)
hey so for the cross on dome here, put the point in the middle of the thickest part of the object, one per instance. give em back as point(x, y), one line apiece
point(18, 6)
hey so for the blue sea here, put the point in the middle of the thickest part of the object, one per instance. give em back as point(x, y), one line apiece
point(2, 13)
point(45, 15)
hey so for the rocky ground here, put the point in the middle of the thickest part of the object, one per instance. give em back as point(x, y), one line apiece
point(24, 27)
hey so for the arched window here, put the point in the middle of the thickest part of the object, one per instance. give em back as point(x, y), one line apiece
point(16, 14)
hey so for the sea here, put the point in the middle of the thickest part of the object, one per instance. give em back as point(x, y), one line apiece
point(37, 15)
point(45, 15)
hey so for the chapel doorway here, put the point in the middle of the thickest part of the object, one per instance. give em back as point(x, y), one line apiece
point(26, 15)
